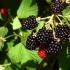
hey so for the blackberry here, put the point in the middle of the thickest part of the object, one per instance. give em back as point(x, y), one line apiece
point(54, 47)
point(62, 32)
point(43, 36)
point(29, 23)
point(56, 7)
point(31, 42)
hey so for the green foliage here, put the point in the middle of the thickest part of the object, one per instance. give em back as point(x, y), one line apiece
point(66, 13)
point(19, 54)
point(27, 8)
point(40, 25)
point(3, 31)
point(16, 23)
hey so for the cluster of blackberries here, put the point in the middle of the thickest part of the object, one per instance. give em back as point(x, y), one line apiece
point(29, 22)
point(57, 6)
point(46, 38)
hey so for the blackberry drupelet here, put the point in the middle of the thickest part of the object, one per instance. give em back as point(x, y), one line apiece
point(31, 42)
point(54, 47)
point(29, 23)
point(56, 7)
point(62, 32)
point(44, 36)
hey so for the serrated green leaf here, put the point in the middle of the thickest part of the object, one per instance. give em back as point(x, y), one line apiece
point(66, 13)
point(15, 52)
point(40, 25)
point(27, 8)
point(16, 23)
point(20, 54)
point(3, 31)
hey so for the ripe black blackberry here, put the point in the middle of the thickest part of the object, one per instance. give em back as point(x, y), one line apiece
point(56, 7)
point(44, 36)
point(62, 31)
point(54, 47)
point(31, 42)
point(29, 23)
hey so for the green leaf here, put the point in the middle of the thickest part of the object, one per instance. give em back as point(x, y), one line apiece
point(24, 36)
point(40, 25)
point(66, 13)
point(3, 31)
point(20, 54)
point(27, 8)
point(16, 23)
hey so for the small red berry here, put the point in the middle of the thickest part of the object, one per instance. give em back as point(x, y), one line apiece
point(4, 11)
point(42, 53)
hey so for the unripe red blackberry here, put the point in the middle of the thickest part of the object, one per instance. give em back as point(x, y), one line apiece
point(54, 47)
point(62, 31)
point(42, 53)
point(4, 11)
point(31, 42)
point(44, 36)
point(57, 7)
point(29, 23)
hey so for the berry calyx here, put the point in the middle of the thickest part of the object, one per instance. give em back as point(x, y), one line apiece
point(42, 53)
point(29, 22)
point(4, 11)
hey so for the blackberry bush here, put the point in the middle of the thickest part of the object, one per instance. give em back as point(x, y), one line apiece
point(62, 31)
point(54, 47)
point(31, 42)
point(29, 23)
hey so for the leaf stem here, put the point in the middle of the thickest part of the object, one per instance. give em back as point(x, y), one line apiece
point(59, 19)
point(5, 65)
point(41, 19)
point(9, 36)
